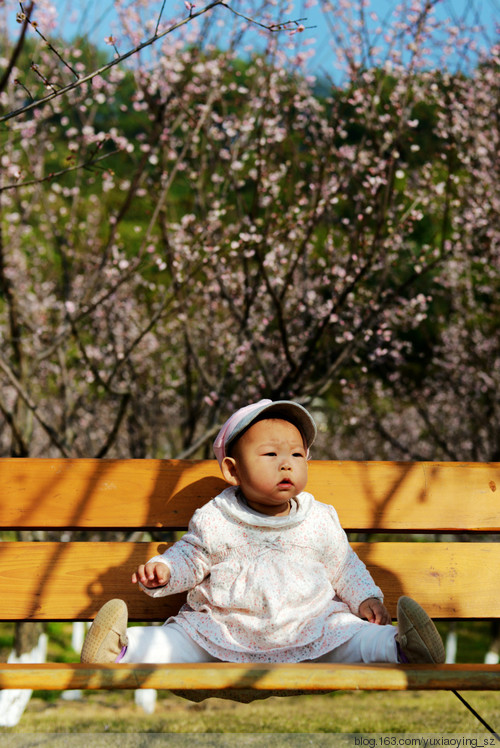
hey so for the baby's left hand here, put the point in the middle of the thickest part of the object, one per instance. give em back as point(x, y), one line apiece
point(374, 611)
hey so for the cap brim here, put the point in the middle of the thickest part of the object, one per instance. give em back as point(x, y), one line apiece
point(285, 409)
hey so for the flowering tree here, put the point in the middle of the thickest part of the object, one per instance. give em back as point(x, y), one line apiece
point(441, 400)
point(202, 228)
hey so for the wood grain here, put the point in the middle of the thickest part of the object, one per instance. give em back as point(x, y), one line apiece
point(396, 496)
point(219, 676)
point(65, 581)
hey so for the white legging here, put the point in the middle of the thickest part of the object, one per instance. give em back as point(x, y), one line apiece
point(372, 643)
point(163, 644)
point(170, 643)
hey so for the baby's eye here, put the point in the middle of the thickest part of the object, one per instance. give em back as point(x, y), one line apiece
point(270, 454)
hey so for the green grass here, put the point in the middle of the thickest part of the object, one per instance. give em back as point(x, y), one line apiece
point(376, 712)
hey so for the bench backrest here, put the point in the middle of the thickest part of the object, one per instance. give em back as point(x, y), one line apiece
point(63, 578)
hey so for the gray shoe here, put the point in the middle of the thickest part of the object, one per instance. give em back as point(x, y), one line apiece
point(108, 634)
point(417, 636)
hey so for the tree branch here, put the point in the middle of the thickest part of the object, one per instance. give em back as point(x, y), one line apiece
point(116, 426)
point(51, 433)
point(18, 48)
point(149, 42)
point(116, 61)
point(62, 172)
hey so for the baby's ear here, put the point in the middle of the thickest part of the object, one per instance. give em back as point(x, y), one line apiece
point(230, 471)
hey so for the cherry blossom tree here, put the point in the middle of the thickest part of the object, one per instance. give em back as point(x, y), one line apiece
point(440, 402)
point(231, 230)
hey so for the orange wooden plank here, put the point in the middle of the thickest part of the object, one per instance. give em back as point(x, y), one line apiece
point(83, 493)
point(450, 580)
point(65, 581)
point(446, 497)
point(219, 676)
point(441, 497)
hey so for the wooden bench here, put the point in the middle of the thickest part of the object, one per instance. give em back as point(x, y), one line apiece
point(452, 568)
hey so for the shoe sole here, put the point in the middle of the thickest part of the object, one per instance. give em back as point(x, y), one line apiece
point(104, 622)
point(424, 628)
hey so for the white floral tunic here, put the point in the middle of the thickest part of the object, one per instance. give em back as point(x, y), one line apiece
point(267, 589)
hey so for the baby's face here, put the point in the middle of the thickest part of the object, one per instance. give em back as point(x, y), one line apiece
point(271, 465)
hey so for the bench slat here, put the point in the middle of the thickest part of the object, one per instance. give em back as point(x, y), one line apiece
point(87, 493)
point(65, 581)
point(217, 676)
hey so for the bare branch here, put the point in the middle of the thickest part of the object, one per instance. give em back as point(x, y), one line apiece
point(159, 17)
point(51, 433)
point(116, 426)
point(290, 25)
point(49, 45)
point(18, 48)
point(17, 437)
point(207, 437)
point(54, 175)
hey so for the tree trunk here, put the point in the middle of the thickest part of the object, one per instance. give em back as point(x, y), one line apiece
point(26, 637)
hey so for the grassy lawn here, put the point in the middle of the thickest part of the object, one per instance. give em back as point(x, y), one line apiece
point(376, 712)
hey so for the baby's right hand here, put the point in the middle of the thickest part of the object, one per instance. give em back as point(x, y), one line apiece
point(152, 574)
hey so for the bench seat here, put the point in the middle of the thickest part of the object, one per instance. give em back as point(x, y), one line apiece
point(216, 677)
point(427, 530)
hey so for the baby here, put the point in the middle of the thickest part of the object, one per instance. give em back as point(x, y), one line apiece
point(269, 571)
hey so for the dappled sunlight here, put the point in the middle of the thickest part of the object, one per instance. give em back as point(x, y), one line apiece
point(66, 581)
point(71, 580)
point(420, 498)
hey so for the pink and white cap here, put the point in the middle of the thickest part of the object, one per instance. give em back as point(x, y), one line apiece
point(244, 417)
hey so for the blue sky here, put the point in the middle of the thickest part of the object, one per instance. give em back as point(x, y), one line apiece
point(97, 19)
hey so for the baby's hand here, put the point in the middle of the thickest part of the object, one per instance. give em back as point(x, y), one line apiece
point(152, 574)
point(374, 611)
